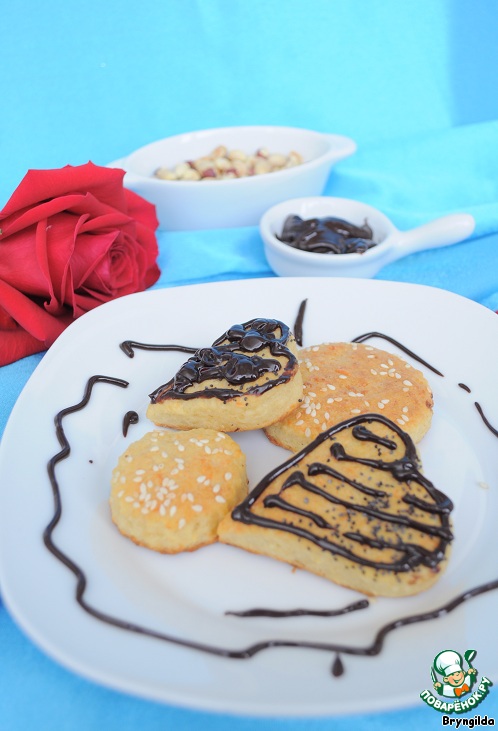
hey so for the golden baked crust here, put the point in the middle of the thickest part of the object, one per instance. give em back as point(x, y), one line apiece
point(171, 489)
point(352, 507)
point(341, 380)
point(248, 379)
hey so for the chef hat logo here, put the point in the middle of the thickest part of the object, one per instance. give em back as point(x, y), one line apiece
point(448, 662)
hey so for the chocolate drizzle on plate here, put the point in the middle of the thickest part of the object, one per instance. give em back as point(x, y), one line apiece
point(280, 613)
point(234, 358)
point(128, 347)
point(131, 417)
point(368, 336)
point(338, 650)
point(485, 420)
point(298, 325)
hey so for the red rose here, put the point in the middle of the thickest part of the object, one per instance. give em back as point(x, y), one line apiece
point(70, 239)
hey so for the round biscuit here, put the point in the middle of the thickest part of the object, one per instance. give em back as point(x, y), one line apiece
point(341, 380)
point(170, 490)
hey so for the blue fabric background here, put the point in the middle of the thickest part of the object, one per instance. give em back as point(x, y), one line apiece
point(413, 82)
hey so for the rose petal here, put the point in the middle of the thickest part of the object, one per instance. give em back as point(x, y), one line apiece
point(18, 344)
point(105, 184)
point(31, 316)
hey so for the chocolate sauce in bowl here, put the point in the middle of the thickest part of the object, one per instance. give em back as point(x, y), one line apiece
point(337, 649)
point(327, 235)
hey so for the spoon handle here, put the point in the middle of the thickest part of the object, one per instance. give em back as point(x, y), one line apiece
point(441, 232)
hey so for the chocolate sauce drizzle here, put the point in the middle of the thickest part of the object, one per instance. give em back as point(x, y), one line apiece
point(278, 614)
point(234, 358)
point(404, 469)
point(128, 347)
point(368, 336)
point(298, 325)
point(337, 668)
point(244, 653)
point(485, 420)
point(131, 417)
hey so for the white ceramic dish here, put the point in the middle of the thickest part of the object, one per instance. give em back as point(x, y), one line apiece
point(186, 596)
point(393, 244)
point(189, 205)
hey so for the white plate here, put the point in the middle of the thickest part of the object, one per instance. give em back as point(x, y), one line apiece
point(187, 596)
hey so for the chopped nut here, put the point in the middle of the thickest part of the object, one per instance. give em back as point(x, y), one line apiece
point(224, 164)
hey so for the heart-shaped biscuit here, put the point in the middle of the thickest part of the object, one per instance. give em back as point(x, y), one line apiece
point(353, 507)
point(249, 378)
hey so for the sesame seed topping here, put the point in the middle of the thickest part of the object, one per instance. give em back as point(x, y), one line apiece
point(197, 508)
point(181, 523)
point(220, 499)
point(228, 476)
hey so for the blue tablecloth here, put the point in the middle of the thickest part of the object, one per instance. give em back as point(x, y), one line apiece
point(413, 83)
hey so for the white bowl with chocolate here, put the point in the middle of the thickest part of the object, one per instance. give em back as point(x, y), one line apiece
point(228, 177)
point(323, 236)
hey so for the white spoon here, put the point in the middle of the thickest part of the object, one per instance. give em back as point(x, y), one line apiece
point(391, 243)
